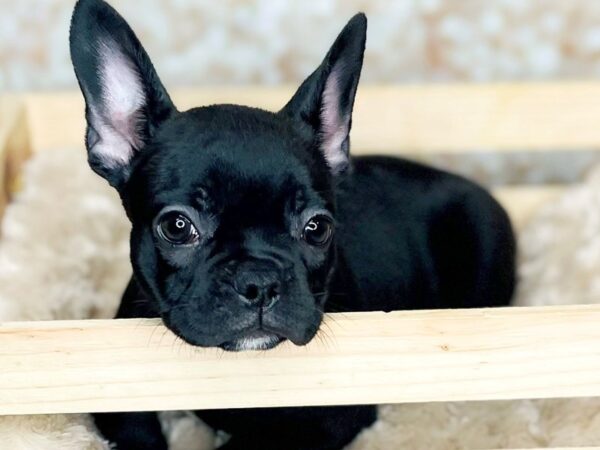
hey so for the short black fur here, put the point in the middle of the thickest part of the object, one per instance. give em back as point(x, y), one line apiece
point(248, 225)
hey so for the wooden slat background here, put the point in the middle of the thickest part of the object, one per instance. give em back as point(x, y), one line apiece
point(396, 119)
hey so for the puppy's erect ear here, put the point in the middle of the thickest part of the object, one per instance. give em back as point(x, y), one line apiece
point(325, 100)
point(125, 100)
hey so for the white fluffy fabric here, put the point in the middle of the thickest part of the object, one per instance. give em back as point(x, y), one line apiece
point(64, 255)
point(59, 432)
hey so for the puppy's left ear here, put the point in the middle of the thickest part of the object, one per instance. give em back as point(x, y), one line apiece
point(325, 100)
point(125, 100)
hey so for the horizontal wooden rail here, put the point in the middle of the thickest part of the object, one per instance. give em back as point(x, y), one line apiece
point(408, 119)
point(416, 356)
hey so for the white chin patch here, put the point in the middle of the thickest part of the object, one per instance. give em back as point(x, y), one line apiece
point(264, 342)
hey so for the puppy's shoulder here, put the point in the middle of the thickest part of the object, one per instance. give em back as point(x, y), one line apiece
point(405, 185)
point(399, 173)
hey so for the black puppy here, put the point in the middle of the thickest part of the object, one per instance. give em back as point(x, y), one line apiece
point(247, 225)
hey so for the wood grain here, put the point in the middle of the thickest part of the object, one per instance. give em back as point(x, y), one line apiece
point(406, 119)
point(418, 356)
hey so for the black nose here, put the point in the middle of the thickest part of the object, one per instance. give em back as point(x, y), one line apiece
point(258, 287)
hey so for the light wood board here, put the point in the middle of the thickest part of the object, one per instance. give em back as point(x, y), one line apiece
point(398, 119)
point(414, 356)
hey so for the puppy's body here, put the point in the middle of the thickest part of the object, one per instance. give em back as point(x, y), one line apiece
point(410, 237)
point(248, 225)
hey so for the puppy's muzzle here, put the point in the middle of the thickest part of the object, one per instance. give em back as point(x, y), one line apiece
point(258, 284)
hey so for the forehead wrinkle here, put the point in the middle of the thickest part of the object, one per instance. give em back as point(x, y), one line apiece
point(229, 171)
point(248, 170)
point(251, 191)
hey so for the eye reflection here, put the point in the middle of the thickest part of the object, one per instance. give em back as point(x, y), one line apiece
point(318, 231)
point(177, 229)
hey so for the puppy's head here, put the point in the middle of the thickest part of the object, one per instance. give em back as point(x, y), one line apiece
point(232, 208)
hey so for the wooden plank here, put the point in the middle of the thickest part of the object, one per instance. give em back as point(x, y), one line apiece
point(500, 117)
point(415, 356)
point(56, 119)
point(407, 119)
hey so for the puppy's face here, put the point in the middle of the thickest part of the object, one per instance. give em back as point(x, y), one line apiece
point(232, 208)
point(232, 229)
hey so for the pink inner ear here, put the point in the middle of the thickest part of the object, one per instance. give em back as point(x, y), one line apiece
point(334, 127)
point(122, 100)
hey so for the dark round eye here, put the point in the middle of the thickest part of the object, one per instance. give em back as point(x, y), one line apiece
point(177, 229)
point(318, 231)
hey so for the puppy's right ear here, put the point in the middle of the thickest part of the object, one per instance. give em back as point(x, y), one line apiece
point(325, 100)
point(125, 100)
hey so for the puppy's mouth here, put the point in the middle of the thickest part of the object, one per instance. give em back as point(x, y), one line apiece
point(253, 340)
point(245, 333)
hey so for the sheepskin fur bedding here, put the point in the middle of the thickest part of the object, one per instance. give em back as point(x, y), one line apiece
point(64, 255)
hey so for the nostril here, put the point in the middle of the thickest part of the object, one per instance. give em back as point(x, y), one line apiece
point(273, 291)
point(258, 288)
point(251, 292)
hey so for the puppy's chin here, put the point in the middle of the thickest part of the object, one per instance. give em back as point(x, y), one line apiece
point(257, 340)
point(245, 332)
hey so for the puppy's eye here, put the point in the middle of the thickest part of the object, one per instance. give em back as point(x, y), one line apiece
point(177, 229)
point(318, 231)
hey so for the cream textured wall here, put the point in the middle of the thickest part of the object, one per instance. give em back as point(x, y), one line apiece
point(273, 41)
point(196, 42)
